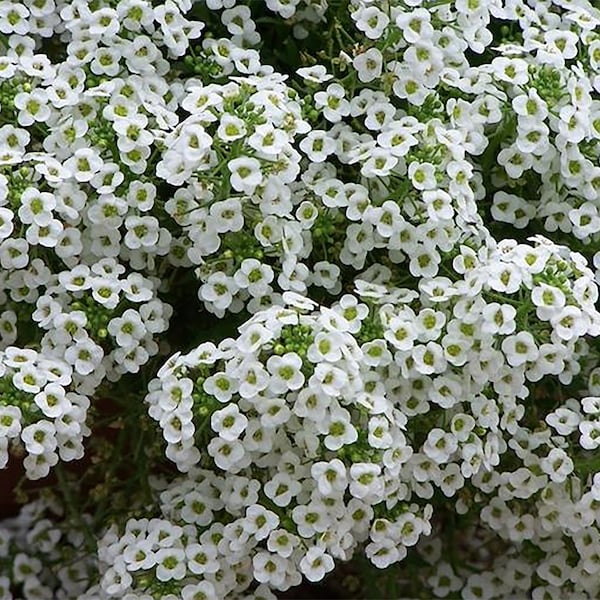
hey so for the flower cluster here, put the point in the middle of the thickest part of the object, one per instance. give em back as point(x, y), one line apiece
point(367, 234)
point(39, 412)
point(41, 557)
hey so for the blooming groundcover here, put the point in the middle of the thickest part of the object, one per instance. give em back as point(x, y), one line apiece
point(300, 287)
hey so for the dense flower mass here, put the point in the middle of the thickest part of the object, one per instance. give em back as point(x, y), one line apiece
point(300, 282)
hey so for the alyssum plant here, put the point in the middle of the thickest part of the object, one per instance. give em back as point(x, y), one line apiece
point(300, 281)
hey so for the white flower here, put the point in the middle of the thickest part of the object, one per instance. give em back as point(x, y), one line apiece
point(314, 74)
point(204, 590)
point(36, 207)
point(14, 253)
point(269, 568)
point(429, 358)
point(401, 333)
point(339, 429)
point(499, 319)
point(10, 421)
point(330, 476)
point(33, 107)
point(569, 323)
point(127, 329)
point(141, 232)
point(259, 521)
point(84, 164)
point(317, 145)
point(558, 465)
point(282, 542)
point(228, 455)
point(228, 422)
point(39, 438)
point(267, 139)
point(227, 215)
point(385, 552)
point(221, 386)
point(365, 482)
point(440, 445)
point(170, 564)
point(254, 276)
point(371, 20)
point(285, 372)
point(246, 174)
point(590, 434)
point(333, 103)
point(368, 65)
point(53, 401)
point(218, 291)
point(439, 205)
point(231, 128)
point(316, 563)
point(549, 300)
point(202, 558)
point(564, 420)
point(530, 105)
point(510, 70)
point(29, 379)
point(311, 404)
point(84, 355)
point(422, 175)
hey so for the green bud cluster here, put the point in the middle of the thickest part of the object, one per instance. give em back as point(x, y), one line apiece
point(239, 246)
point(432, 108)
point(12, 396)
point(371, 329)
point(18, 181)
point(510, 35)
point(97, 315)
point(101, 133)
point(309, 112)
point(433, 154)
point(359, 452)
point(9, 88)
point(547, 81)
point(382, 511)
point(204, 403)
point(295, 338)
point(326, 226)
point(202, 66)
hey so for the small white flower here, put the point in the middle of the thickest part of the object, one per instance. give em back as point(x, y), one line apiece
point(339, 429)
point(520, 348)
point(331, 476)
point(228, 422)
point(39, 438)
point(221, 386)
point(590, 434)
point(246, 174)
point(368, 64)
point(286, 372)
point(259, 521)
point(10, 421)
point(269, 568)
point(231, 128)
point(53, 401)
point(316, 563)
point(333, 103)
point(170, 564)
point(314, 74)
point(84, 164)
point(33, 107)
point(226, 454)
point(558, 465)
point(365, 482)
point(282, 488)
